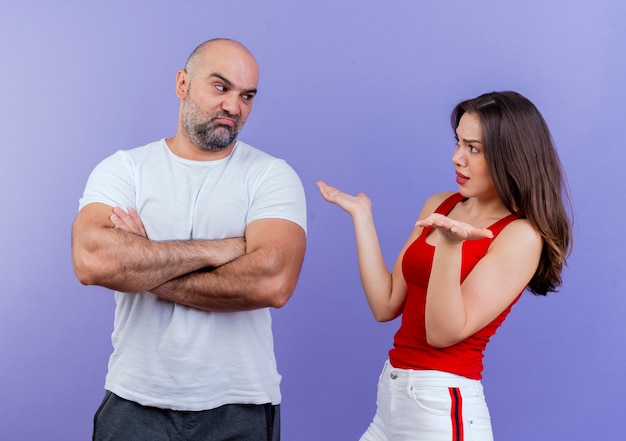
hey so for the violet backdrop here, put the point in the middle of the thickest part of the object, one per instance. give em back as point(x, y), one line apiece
point(354, 92)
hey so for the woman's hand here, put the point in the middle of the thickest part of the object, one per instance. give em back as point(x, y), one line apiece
point(349, 203)
point(452, 231)
point(385, 292)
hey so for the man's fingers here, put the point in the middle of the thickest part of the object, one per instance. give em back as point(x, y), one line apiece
point(137, 221)
point(128, 221)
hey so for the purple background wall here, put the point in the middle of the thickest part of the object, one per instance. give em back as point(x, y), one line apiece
point(354, 92)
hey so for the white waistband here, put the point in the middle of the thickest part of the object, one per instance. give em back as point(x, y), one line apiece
point(427, 377)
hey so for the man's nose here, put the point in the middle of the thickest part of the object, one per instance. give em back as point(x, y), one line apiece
point(231, 104)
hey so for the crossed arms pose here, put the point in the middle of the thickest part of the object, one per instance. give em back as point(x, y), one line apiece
point(111, 248)
point(199, 235)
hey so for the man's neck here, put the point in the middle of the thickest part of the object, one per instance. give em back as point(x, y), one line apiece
point(185, 149)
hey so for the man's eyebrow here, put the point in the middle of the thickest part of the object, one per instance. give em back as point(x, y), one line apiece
point(223, 78)
point(230, 84)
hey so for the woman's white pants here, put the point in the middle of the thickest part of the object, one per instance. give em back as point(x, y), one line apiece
point(414, 405)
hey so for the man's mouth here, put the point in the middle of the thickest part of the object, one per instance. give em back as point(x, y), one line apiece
point(225, 119)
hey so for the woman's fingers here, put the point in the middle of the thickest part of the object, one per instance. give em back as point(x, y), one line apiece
point(452, 228)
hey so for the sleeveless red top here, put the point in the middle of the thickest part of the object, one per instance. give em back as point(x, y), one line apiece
point(410, 349)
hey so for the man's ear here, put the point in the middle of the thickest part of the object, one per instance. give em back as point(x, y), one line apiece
point(182, 84)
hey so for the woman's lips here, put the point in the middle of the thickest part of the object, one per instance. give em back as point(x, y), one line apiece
point(461, 179)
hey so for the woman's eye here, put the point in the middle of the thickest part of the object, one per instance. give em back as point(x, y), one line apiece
point(473, 149)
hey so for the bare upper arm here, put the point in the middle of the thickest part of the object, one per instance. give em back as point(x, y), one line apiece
point(89, 219)
point(281, 235)
point(501, 274)
point(281, 245)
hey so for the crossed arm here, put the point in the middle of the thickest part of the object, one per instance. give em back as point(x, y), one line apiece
point(111, 249)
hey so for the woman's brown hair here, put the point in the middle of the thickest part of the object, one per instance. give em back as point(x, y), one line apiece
point(527, 174)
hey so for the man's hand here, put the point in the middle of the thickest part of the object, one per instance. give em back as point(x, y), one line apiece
point(131, 222)
point(128, 221)
point(110, 248)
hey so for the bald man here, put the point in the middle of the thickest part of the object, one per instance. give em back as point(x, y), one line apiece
point(198, 235)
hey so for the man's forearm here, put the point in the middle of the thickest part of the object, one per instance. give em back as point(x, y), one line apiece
point(250, 282)
point(126, 262)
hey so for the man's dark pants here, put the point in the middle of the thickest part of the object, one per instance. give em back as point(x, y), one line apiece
point(118, 419)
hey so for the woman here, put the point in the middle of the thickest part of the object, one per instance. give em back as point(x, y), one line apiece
point(467, 261)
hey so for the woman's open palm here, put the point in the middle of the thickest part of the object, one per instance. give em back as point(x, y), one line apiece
point(351, 204)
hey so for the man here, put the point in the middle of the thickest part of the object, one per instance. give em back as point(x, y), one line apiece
point(199, 235)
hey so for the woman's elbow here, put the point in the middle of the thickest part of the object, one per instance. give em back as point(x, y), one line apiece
point(437, 343)
point(441, 340)
point(383, 315)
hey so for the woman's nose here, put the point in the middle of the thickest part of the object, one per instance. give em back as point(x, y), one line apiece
point(458, 158)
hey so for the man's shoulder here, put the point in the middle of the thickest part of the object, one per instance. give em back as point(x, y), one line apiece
point(254, 160)
point(137, 154)
point(246, 150)
point(146, 148)
point(252, 156)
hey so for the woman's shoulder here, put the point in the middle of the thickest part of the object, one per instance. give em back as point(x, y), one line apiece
point(520, 232)
point(434, 201)
point(521, 226)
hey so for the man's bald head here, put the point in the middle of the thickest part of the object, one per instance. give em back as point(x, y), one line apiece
point(212, 46)
point(216, 90)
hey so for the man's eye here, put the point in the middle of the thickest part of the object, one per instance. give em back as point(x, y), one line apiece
point(247, 96)
point(220, 87)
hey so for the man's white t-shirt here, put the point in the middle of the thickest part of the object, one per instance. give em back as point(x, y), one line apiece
point(169, 355)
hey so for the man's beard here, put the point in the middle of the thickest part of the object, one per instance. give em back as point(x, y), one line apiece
point(206, 134)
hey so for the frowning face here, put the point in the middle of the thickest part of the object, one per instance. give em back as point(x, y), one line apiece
point(472, 171)
point(216, 94)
